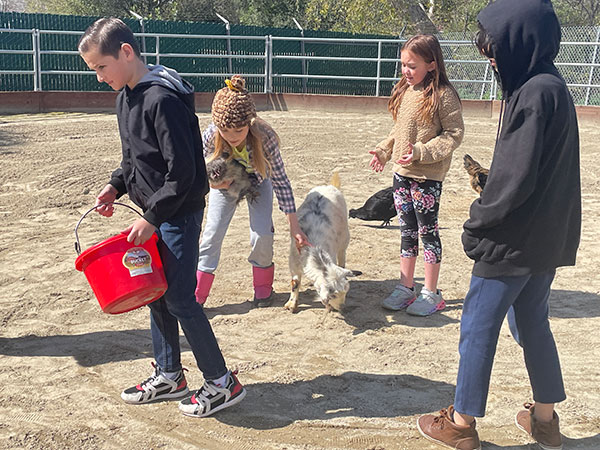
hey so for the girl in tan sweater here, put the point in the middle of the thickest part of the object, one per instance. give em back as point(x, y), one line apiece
point(428, 127)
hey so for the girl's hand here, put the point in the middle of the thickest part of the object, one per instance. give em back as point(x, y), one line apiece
point(224, 185)
point(407, 158)
point(376, 163)
point(140, 231)
point(107, 195)
point(301, 239)
point(297, 233)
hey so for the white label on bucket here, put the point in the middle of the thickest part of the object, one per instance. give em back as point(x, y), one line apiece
point(138, 261)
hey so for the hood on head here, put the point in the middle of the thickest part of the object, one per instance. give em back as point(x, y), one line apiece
point(167, 77)
point(526, 36)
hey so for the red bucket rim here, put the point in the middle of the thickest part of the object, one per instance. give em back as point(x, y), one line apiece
point(94, 248)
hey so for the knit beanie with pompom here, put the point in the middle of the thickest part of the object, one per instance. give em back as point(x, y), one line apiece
point(233, 106)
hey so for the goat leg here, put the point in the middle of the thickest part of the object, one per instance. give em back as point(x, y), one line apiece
point(292, 303)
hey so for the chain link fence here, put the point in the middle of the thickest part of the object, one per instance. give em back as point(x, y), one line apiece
point(36, 54)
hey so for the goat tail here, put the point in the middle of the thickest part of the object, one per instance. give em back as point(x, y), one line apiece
point(335, 180)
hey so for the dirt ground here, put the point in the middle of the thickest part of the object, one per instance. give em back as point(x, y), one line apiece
point(352, 380)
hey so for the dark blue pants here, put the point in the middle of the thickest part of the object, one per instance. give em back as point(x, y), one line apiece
point(486, 304)
point(178, 249)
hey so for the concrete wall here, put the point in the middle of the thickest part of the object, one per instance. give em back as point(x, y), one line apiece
point(51, 101)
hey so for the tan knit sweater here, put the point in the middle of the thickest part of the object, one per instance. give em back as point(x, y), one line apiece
point(433, 142)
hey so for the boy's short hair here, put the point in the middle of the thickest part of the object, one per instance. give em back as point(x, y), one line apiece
point(108, 34)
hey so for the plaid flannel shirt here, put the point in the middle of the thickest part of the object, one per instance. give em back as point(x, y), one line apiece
point(281, 184)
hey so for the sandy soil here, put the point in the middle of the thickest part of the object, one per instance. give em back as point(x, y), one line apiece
point(356, 380)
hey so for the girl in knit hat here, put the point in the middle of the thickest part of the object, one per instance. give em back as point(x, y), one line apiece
point(238, 133)
point(428, 127)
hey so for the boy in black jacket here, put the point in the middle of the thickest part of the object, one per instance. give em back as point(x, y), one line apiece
point(163, 171)
point(526, 223)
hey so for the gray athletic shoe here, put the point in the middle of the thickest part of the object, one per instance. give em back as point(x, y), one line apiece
point(426, 303)
point(400, 298)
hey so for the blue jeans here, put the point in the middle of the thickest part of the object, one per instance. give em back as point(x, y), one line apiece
point(178, 248)
point(486, 304)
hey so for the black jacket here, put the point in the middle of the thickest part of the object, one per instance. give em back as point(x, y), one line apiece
point(528, 218)
point(163, 168)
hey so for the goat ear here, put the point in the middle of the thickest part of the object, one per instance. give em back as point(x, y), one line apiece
point(349, 273)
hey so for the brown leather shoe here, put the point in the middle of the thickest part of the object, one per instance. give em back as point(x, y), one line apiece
point(546, 434)
point(442, 429)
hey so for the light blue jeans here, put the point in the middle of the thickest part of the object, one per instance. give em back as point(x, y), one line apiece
point(218, 217)
point(486, 304)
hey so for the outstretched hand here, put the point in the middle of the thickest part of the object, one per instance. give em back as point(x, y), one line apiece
point(376, 163)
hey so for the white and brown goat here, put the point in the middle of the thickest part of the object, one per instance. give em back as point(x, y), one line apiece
point(323, 217)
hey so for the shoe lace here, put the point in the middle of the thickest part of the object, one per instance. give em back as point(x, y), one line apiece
point(154, 377)
point(441, 418)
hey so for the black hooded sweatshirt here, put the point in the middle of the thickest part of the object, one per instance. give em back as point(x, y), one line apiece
point(163, 168)
point(528, 218)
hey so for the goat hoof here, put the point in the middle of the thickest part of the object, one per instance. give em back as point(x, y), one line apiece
point(291, 306)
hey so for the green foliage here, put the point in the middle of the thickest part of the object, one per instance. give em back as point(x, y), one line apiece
point(206, 10)
point(456, 15)
point(577, 12)
point(272, 13)
point(388, 17)
point(151, 9)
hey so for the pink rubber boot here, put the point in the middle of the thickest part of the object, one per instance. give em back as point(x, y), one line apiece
point(204, 282)
point(263, 285)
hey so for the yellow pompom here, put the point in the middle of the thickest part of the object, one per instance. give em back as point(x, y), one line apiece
point(231, 86)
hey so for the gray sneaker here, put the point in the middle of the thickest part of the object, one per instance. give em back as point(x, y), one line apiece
point(400, 298)
point(426, 303)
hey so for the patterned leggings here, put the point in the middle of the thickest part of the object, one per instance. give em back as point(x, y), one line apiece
point(418, 204)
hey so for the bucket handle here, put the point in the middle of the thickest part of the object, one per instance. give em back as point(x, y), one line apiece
point(77, 244)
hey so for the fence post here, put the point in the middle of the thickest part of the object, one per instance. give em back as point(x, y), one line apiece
point(34, 47)
point(378, 68)
point(141, 22)
point(399, 53)
point(268, 82)
point(303, 53)
point(228, 29)
point(38, 59)
point(590, 78)
point(487, 68)
point(157, 50)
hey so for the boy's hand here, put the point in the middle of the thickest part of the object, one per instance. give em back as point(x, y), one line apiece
point(376, 163)
point(140, 231)
point(107, 195)
point(224, 185)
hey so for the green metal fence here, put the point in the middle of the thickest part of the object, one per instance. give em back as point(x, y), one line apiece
point(273, 61)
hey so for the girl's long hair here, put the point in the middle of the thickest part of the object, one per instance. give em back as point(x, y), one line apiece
point(257, 134)
point(427, 47)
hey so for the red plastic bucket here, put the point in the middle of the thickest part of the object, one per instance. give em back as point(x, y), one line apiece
point(122, 275)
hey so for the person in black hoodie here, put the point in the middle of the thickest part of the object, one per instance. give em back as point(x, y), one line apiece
point(163, 171)
point(526, 223)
